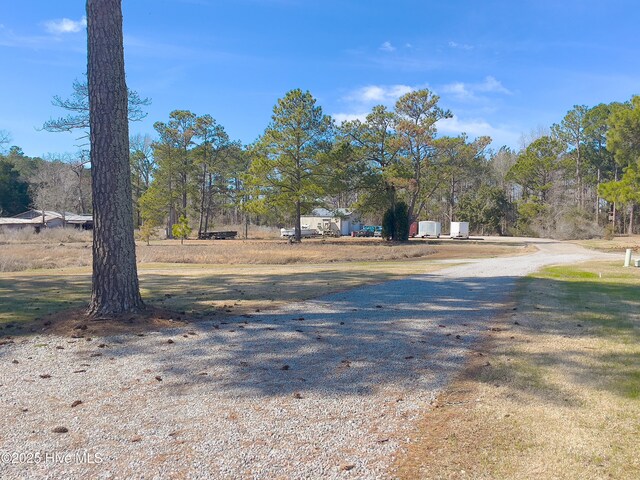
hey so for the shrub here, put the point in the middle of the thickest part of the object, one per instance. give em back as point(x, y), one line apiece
point(575, 224)
point(609, 233)
point(395, 223)
point(401, 216)
point(148, 231)
point(181, 229)
point(388, 224)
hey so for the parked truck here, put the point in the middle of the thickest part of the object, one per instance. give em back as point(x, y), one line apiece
point(365, 231)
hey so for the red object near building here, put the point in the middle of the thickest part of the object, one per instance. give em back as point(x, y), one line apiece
point(413, 229)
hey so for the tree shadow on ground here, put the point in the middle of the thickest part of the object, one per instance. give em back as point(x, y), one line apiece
point(27, 298)
point(407, 335)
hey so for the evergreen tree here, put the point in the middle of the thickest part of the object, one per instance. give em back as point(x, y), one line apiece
point(14, 192)
point(285, 171)
point(401, 219)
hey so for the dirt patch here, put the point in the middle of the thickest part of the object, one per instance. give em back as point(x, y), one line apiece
point(75, 323)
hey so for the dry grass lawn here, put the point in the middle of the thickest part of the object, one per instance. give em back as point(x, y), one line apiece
point(181, 292)
point(59, 249)
point(49, 273)
point(554, 393)
point(617, 244)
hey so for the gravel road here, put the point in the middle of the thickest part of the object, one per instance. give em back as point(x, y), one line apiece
point(321, 389)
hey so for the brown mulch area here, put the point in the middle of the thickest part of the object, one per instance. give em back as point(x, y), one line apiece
point(75, 323)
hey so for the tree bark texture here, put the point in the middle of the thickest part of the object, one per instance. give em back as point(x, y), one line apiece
point(298, 226)
point(115, 287)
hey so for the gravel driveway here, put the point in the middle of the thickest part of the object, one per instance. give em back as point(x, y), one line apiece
point(322, 389)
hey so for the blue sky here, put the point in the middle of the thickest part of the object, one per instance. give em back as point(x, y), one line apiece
point(503, 67)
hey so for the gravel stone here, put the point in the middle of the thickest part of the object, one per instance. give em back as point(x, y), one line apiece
point(225, 408)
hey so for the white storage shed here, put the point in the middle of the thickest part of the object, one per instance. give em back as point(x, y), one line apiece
point(459, 230)
point(429, 229)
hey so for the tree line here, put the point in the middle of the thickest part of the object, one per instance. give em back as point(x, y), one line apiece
point(578, 178)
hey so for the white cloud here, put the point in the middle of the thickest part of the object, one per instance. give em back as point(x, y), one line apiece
point(387, 47)
point(469, 91)
point(362, 99)
point(490, 84)
point(65, 25)
point(8, 38)
point(461, 46)
point(477, 127)
point(458, 89)
point(378, 93)
point(349, 117)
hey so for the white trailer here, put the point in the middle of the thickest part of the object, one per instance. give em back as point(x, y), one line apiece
point(429, 229)
point(304, 232)
point(459, 230)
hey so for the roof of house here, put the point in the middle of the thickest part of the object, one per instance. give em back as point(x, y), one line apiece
point(29, 214)
point(50, 215)
point(323, 212)
point(18, 221)
point(73, 218)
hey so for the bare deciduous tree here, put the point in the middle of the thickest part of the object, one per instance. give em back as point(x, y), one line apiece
point(5, 138)
point(54, 186)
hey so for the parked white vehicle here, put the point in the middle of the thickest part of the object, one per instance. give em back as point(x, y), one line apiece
point(429, 229)
point(459, 230)
point(304, 232)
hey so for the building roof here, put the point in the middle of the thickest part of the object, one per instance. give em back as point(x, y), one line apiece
point(19, 221)
point(323, 212)
point(35, 217)
point(29, 214)
point(73, 218)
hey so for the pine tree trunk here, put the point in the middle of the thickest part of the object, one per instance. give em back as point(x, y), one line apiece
point(598, 199)
point(452, 196)
point(115, 279)
point(298, 225)
point(209, 201)
point(203, 187)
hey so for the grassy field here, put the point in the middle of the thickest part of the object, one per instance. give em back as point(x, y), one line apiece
point(554, 394)
point(196, 290)
point(48, 273)
point(617, 244)
point(60, 249)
